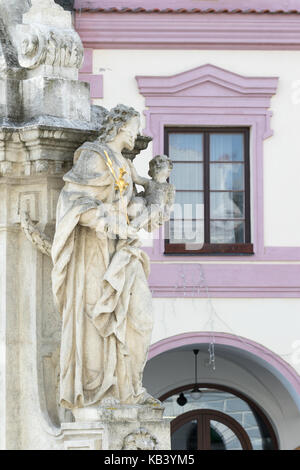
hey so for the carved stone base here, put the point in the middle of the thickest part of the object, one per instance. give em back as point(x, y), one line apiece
point(127, 427)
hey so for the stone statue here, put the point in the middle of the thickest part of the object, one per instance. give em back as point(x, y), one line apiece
point(151, 208)
point(100, 273)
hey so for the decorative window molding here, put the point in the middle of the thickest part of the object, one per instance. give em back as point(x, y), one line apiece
point(230, 6)
point(210, 96)
point(179, 30)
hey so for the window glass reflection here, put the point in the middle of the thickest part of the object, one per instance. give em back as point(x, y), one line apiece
point(186, 147)
point(226, 147)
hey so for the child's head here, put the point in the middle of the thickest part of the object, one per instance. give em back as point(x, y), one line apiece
point(160, 167)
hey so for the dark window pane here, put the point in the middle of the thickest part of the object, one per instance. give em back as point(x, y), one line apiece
point(216, 440)
point(187, 176)
point(227, 231)
point(227, 205)
point(186, 147)
point(185, 438)
point(226, 147)
point(227, 439)
point(226, 176)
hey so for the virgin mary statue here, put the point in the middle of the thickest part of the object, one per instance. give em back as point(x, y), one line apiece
point(100, 274)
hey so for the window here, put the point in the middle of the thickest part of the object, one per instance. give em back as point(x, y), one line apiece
point(211, 175)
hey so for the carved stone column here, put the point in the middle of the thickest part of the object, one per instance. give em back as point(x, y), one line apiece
point(45, 114)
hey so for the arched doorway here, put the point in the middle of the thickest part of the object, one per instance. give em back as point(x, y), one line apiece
point(221, 418)
point(208, 430)
point(242, 365)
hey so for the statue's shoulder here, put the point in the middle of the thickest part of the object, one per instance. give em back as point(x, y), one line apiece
point(90, 149)
point(89, 164)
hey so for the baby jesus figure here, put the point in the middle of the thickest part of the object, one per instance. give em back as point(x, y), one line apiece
point(151, 208)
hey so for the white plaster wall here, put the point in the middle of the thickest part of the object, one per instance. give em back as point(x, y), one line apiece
point(281, 152)
point(273, 323)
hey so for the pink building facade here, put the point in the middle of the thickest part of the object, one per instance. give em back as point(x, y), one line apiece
point(217, 84)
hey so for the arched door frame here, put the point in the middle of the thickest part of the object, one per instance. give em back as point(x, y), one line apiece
point(224, 388)
point(203, 418)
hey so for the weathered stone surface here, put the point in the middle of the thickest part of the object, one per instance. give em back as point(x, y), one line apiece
point(49, 139)
point(84, 436)
point(10, 76)
point(8, 57)
point(13, 10)
point(56, 97)
point(119, 427)
point(49, 13)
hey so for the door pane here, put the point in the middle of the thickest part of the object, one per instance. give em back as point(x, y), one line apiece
point(186, 147)
point(223, 438)
point(227, 147)
point(186, 437)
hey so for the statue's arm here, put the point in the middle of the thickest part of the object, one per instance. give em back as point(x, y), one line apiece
point(136, 178)
point(105, 220)
point(90, 219)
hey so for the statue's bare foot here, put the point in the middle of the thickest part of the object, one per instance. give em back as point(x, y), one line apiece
point(147, 399)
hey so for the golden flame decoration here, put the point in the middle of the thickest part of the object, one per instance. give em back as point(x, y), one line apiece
point(120, 183)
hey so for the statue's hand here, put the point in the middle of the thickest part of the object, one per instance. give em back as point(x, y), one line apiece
point(116, 224)
point(132, 231)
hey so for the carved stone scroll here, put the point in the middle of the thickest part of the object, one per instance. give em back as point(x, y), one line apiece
point(44, 45)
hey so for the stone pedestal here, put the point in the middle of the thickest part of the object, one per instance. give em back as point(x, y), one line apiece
point(122, 427)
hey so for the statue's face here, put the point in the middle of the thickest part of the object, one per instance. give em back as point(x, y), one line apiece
point(129, 132)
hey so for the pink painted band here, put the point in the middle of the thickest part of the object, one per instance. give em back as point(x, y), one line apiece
point(244, 5)
point(244, 344)
point(225, 281)
point(186, 31)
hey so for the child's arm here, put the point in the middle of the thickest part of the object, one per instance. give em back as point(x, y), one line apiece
point(136, 177)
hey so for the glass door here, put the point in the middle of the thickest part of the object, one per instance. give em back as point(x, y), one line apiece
point(208, 430)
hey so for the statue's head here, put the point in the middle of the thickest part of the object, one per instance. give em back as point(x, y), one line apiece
point(122, 123)
point(160, 167)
